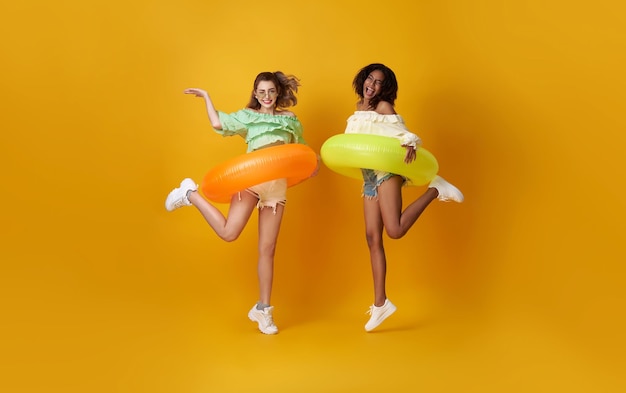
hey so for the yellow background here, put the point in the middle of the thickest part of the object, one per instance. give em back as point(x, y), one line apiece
point(520, 288)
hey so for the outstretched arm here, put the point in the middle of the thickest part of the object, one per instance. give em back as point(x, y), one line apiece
point(210, 108)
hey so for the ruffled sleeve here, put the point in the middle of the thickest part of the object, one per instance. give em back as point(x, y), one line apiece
point(231, 125)
point(295, 127)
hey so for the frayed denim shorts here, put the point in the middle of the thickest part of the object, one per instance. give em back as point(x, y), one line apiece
point(372, 179)
point(270, 194)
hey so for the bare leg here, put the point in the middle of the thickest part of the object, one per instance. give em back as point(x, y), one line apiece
point(386, 212)
point(228, 228)
point(397, 222)
point(374, 236)
point(269, 226)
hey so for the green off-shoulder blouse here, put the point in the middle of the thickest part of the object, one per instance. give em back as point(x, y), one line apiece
point(260, 129)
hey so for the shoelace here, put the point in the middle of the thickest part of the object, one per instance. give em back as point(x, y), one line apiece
point(370, 310)
point(179, 203)
point(268, 319)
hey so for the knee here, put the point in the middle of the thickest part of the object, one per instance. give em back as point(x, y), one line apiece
point(374, 239)
point(395, 233)
point(268, 249)
point(229, 236)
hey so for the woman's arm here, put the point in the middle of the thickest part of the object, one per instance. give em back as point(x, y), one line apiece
point(210, 108)
point(409, 140)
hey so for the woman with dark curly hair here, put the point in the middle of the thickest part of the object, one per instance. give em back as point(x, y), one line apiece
point(264, 122)
point(377, 88)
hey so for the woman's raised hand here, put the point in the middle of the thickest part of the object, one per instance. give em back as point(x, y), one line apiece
point(196, 92)
point(210, 109)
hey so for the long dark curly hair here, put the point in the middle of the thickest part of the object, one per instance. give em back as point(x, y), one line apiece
point(286, 86)
point(388, 90)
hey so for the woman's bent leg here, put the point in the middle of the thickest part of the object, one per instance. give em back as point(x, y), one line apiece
point(228, 228)
point(397, 222)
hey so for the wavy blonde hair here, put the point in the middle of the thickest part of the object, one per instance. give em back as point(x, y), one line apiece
point(286, 86)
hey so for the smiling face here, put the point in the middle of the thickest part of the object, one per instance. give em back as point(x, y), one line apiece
point(373, 84)
point(266, 94)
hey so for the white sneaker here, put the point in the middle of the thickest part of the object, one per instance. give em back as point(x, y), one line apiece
point(379, 314)
point(447, 192)
point(264, 319)
point(178, 196)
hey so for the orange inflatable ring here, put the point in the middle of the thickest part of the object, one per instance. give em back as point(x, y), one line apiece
point(295, 162)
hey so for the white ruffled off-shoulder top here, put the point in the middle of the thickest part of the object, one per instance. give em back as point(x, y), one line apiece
point(371, 122)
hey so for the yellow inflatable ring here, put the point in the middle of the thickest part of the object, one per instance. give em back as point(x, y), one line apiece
point(346, 154)
point(295, 162)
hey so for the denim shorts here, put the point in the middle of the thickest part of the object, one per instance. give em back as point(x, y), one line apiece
point(372, 179)
point(270, 194)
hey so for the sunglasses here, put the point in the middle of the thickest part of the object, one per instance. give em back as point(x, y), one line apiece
point(270, 93)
